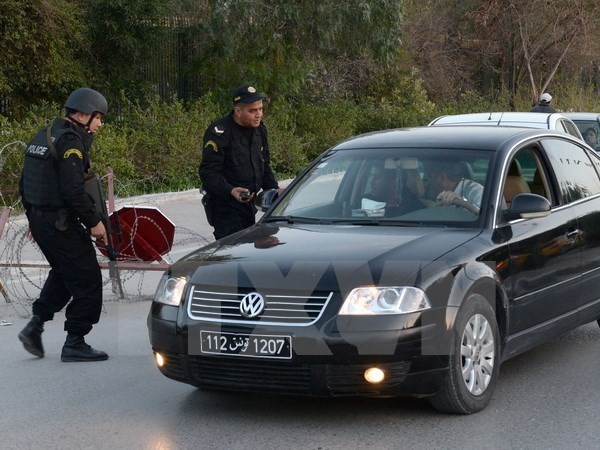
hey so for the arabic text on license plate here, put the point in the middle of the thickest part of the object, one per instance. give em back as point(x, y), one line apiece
point(250, 345)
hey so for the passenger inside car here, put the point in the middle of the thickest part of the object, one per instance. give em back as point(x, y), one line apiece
point(389, 190)
point(591, 137)
point(384, 187)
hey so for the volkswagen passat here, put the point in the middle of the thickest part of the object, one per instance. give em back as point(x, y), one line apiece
point(403, 262)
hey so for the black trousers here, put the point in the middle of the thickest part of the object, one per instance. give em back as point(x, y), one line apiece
point(231, 217)
point(75, 277)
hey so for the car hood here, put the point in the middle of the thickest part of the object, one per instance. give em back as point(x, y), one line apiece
point(265, 254)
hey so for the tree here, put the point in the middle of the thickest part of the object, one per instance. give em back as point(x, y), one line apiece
point(440, 43)
point(123, 35)
point(490, 46)
point(41, 42)
point(533, 39)
point(292, 48)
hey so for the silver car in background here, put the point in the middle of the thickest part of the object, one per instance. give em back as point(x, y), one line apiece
point(549, 121)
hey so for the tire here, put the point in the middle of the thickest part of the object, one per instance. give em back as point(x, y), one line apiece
point(478, 353)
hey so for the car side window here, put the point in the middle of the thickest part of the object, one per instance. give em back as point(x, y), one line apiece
point(576, 175)
point(526, 174)
point(571, 128)
point(514, 182)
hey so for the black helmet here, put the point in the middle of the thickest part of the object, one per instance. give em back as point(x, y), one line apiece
point(87, 101)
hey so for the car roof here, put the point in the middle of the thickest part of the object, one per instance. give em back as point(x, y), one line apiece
point(582, 115)
point(508, 118)
point(453, 136)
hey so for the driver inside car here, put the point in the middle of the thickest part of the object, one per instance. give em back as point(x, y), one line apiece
point(451, 186)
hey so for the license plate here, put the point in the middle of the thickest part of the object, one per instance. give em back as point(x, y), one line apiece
point(249, 345)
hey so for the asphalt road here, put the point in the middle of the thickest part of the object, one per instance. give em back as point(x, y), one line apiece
point(546, 398)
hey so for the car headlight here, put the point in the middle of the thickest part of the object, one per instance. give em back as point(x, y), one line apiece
point(373, 300)
point(170, 290)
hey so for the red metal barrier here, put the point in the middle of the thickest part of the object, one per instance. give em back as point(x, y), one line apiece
point(147, 234)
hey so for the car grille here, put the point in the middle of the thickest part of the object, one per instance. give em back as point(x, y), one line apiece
point(234, 374)
point(280, 308)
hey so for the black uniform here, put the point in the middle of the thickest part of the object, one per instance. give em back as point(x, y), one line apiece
point(234, 156)
point(543, 107)
point(60, 215)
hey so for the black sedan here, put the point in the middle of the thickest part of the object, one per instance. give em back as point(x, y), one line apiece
point(402, 262)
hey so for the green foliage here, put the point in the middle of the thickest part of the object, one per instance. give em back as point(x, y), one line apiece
point(165, 141)
point(570, 94)
point(122, 35)
point(404, 104)
point(324, 125)
point(288, 149)
point(278, 45)
point(13, 137)
point(332, 69)
point(40, 59)
point(471, 102)
point(111, 149)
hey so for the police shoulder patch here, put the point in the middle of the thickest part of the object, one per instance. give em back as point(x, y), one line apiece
point(212, 144)
point(73, 151)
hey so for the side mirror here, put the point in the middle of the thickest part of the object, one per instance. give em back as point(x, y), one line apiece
point(265, 199)
point(528, 206)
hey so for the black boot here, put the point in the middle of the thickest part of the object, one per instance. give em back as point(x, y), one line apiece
point(31, 336)
point(75, 349)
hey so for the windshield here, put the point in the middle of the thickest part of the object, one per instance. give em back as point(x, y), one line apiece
point(406, 187)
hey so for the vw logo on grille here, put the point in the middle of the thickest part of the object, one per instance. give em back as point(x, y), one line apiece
point(252, 305)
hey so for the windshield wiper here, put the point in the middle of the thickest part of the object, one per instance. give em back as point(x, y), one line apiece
point(353, 221)
point(292, 219)
point(376, 222)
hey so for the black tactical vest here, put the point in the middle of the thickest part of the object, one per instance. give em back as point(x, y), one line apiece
point(40, 172)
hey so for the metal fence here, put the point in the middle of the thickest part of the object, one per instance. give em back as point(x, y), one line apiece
point(170, 70)
point(4, 103)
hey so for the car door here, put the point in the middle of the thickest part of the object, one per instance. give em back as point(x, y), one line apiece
point(577, 174)
point(545, 257)
point(570, 128)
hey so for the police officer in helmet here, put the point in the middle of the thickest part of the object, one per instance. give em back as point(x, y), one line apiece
point(63, 220)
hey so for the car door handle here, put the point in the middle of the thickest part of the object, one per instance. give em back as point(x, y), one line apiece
point(572, 235)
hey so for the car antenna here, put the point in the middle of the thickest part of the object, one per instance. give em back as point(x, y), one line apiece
point(499, 118)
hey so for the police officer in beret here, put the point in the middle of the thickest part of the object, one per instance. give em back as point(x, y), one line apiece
point(63, 220)
point(236, 164)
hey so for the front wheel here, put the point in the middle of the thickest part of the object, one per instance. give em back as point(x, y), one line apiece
point(474, 362)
